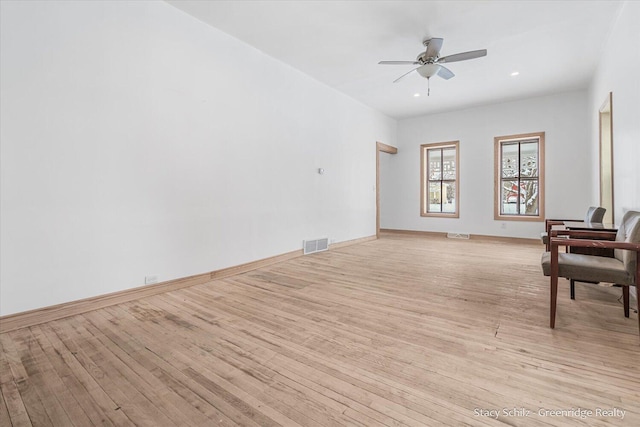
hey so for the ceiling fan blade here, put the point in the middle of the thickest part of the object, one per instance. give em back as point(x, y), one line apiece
point(398, 62)
point(445, 73)
point(433, 47)
point(405, 74)
point(463, 56)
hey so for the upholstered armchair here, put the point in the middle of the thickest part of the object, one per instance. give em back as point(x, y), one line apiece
point(595, 214)
point(623, 269)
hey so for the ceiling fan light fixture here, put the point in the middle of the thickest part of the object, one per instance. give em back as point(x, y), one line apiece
point(428, 70)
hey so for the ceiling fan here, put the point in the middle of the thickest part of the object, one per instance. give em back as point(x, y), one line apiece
point(429, 61)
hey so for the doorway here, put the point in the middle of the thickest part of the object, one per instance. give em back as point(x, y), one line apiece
point(384, 148)
point(606, 158)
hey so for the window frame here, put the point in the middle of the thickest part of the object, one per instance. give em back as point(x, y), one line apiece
point(424, 175)
point(520, 138)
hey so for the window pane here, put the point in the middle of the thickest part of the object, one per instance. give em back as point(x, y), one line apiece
point(434, 197)
point(509, 198)
point(449, 197)
point(449, 163)
point(509, 160)
point(530, 197)
point(529, 159)
point(435, 167)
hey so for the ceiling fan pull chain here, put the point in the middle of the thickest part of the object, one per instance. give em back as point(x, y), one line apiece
point(428, 87)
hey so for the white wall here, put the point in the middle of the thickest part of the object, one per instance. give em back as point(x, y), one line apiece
point(619, 73)
point(563, 118)
point(137, 140)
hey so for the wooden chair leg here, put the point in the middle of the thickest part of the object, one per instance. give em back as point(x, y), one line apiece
point(555, 270)
point(625, 300)
point(638, 299)
point(554, 300)
point(573, 289)
point(637, 282)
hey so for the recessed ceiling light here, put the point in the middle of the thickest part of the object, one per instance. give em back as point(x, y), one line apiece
point(515, 73)
point(416, 95)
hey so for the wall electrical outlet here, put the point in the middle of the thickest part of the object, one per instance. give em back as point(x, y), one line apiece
point(149, 280)
point(503, 225)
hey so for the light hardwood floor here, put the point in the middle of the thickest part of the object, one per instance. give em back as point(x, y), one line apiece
point(404, 330)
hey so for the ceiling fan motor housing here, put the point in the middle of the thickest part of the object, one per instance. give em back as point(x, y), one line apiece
point(423, 59)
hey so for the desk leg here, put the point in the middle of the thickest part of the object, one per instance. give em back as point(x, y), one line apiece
point(625, 299)
point(573, 289)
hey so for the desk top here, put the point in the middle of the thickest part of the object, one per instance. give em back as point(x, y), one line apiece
point(593, 226)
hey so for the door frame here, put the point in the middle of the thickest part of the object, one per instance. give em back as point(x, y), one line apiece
point(384, 148)
point(605, 138)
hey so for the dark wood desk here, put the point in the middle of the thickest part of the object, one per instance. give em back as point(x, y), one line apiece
point(590, 226)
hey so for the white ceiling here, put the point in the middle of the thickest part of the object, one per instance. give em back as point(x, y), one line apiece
point(554, 45)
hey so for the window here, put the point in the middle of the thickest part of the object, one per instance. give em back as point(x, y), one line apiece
point(439, 172)
point(519, 177)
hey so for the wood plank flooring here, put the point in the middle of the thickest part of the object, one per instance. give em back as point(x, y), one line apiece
point(404, 330)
